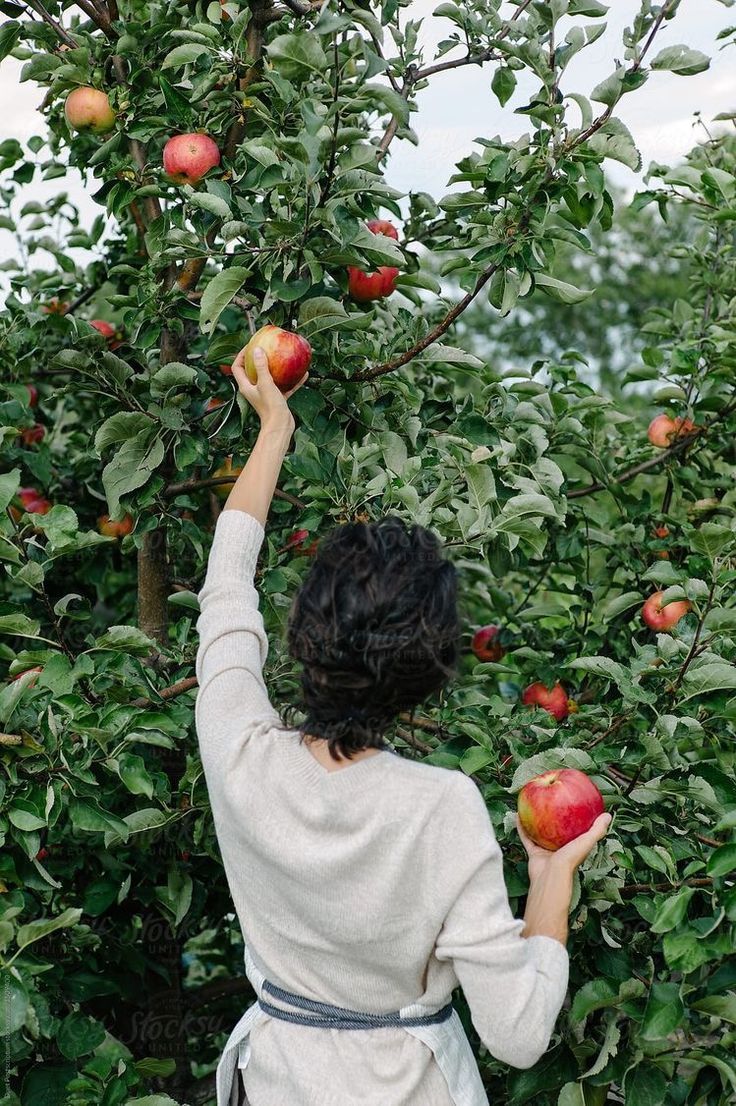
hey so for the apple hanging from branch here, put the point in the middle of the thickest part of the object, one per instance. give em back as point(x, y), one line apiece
point(88, 109)
point(365, 287)
point(665, 617)
point(663, 430)
point(554, 700)
point(187, 157)
point(486, 644)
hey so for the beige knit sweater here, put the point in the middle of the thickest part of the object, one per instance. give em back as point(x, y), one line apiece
point(369, 887)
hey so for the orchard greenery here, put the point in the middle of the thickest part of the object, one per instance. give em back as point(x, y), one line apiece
point(121, 960)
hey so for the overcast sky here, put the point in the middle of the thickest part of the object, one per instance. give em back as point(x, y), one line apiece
point(458, 106)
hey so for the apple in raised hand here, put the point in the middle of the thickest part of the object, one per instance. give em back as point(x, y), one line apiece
point(554, 700)
point(365, 287)
point(187, 157)
point(663, 618)
point(558, 806)
point(88, 109)
point(663, 430)
point(485, 643)
point(288, 355)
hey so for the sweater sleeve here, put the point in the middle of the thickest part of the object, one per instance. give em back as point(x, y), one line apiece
point(515, 986)
point(232, 641)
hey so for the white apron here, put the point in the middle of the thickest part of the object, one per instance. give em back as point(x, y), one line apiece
point(447, 1040)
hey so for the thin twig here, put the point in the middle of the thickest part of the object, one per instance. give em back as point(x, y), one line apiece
point(39, 9)
point(636, 888)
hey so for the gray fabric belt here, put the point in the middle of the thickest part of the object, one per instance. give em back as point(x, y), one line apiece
point(324, 1016)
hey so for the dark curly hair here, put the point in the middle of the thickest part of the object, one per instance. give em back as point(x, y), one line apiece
point(376, 629)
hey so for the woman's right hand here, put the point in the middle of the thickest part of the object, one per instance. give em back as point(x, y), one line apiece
point(570, 856)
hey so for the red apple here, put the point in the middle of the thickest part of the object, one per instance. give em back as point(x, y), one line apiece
point(213, 403)
point(485, 644)
point(558, 806)
point(32, 395)
point(226, 370)
point(661, 532)
point(42, 853)
point(288, 355)
point(553, 700)
point(365, 287)
point(33, 502)
point(88, 109)
point(226, 469)
point(297, 542)
point(115, 529)
point(187, 157)
point(32, 435)
point(662, 618)
point(663, 429)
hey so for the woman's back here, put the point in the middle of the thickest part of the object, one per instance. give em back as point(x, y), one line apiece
point(371, 887)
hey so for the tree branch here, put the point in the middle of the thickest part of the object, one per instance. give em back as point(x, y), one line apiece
point(39, 9)
point(636, 888)
point(217, 989)
point(172, 490)
point(166, 693)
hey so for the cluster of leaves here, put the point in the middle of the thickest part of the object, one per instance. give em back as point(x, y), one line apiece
point(115, 926)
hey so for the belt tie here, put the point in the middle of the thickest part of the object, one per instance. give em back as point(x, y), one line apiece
point(325, 1016)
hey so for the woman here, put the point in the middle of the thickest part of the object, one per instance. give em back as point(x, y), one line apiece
point(367, 886)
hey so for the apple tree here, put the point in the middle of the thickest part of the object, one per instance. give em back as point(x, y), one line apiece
point(121, 958)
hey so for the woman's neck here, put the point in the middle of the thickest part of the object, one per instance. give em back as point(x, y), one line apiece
point(319, 749)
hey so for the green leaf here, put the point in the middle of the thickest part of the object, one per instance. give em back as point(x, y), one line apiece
point(14, 1007)
point(184, 55)
point(94, 819)
point(620, 603)
point(218, 294)
point(614, 140)
point(448, 355)
point(503, 84)
point(127, 639)
point(682, 60)
point(133, 773)
point(297, 56)
point(714, 676)
point(9, 34)
point(664, 1012)
point(213, 204)
point(722, 861)
point(560, 289)
point(645, 1085)
point(19, 625)
point(34, 931)
point(672, 911)
point(172, 375)
point(9, 483)
point(718, 1006)
point(611, 89)
point(78, 1035)
point(131, 467)
point(120, 427)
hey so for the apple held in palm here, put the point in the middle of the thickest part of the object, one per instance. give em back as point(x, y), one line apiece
point(364, 287)
point(558, 806)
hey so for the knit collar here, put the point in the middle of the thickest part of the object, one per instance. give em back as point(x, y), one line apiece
point(350, 777)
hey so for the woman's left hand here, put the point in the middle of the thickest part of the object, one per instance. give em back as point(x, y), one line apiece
point(264, 397)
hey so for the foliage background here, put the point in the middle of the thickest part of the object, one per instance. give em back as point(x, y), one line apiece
point(502, 398)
